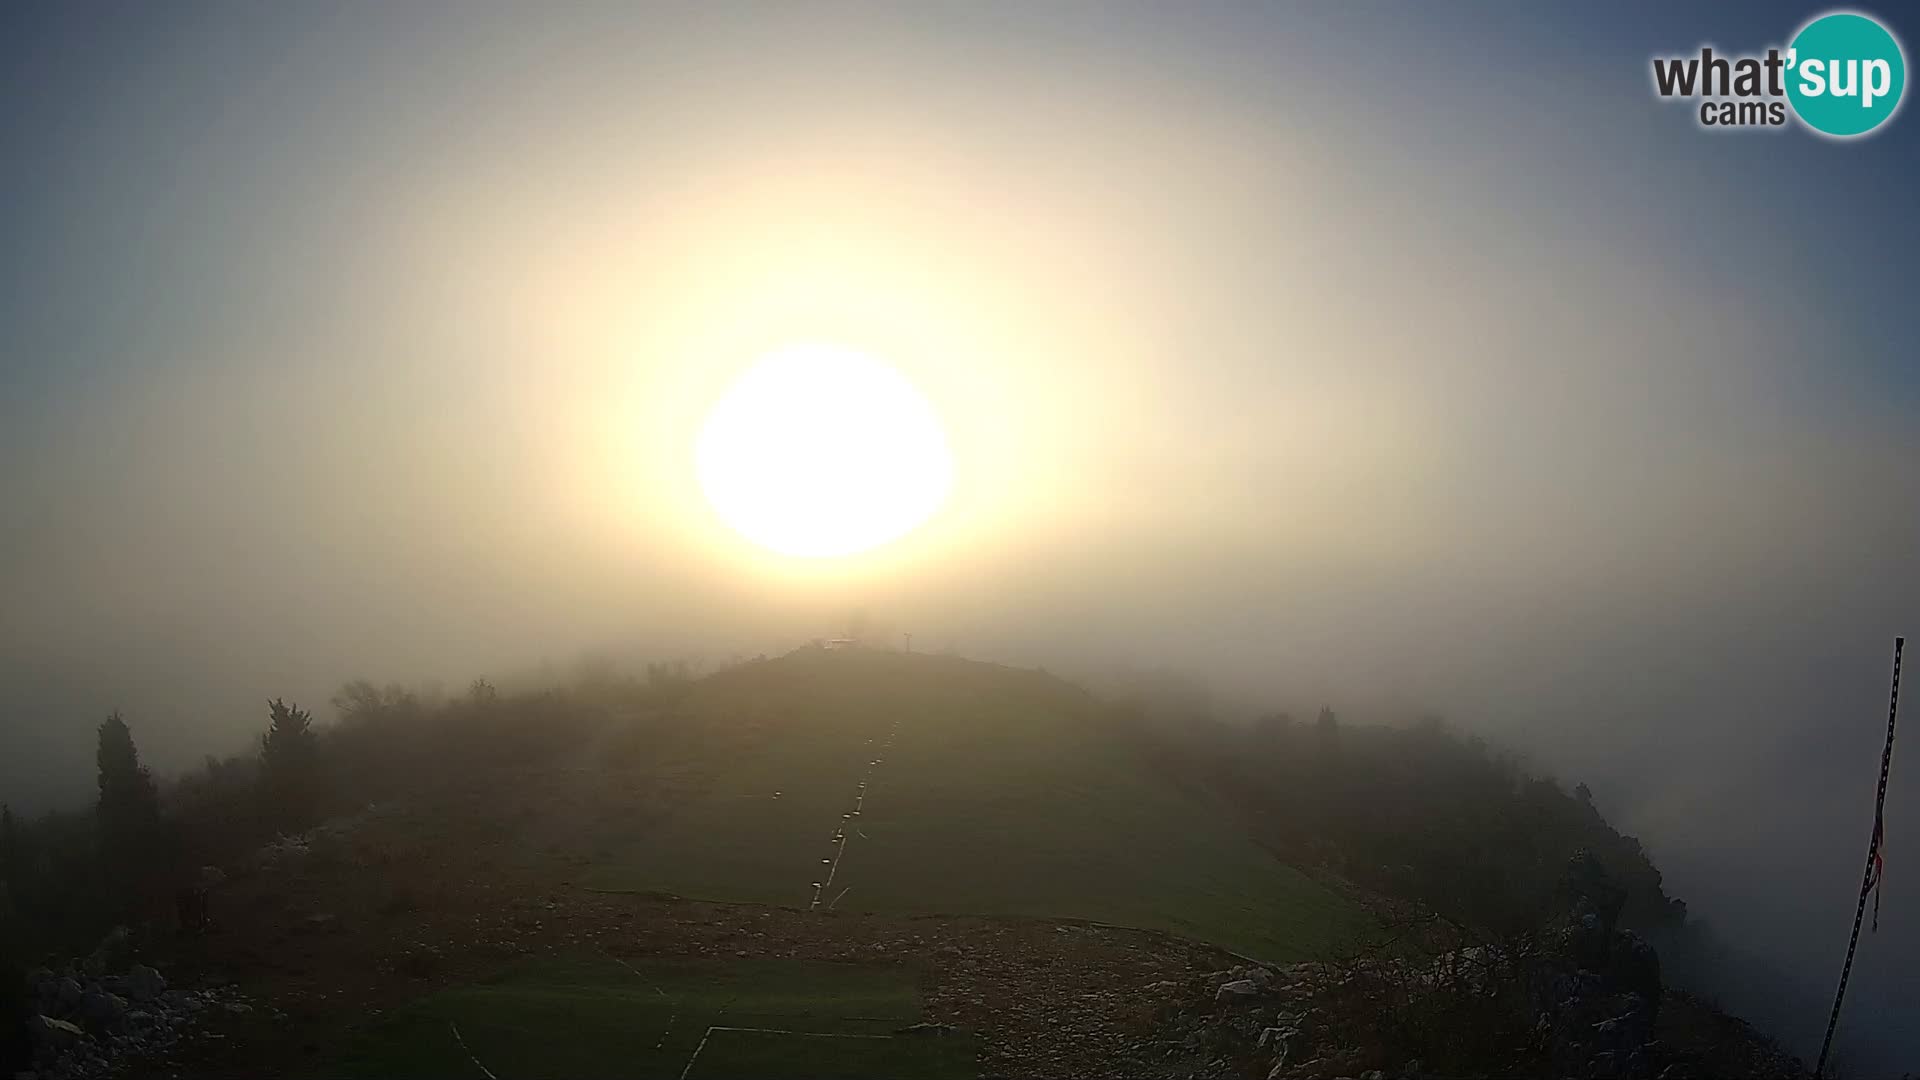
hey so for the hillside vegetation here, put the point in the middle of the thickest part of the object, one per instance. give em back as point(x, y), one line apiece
point(520, 863)
point(1419, 813)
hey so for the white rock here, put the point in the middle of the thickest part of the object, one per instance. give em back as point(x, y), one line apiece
point(1236, 988)
point(58, 1032)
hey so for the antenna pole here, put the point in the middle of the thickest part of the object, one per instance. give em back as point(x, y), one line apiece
point(1870, 878)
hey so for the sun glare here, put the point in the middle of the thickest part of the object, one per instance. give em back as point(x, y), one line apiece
point(820, 451)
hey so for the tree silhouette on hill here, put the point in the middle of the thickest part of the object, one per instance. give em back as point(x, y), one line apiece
point(289, 759)
point(127, 815)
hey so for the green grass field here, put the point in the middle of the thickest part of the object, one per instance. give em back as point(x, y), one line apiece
point(1000, 794)
point(590, 1015)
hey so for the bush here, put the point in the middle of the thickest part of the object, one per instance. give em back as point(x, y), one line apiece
point(1417, 813)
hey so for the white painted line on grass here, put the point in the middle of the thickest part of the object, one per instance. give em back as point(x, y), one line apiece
point(766, 1031)
point(804, 1034)
point(672, 1013)
point(696, 1054)
point(484, 1071)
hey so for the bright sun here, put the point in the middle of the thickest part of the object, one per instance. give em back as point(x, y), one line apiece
point(819, 451)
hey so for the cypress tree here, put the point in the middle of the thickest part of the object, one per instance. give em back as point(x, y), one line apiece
point(289, 755)
point(127, 817)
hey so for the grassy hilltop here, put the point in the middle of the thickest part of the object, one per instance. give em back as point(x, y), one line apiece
point(998, 791)
point(988, 791)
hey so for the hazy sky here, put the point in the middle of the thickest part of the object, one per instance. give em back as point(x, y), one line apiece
point(1371, 354)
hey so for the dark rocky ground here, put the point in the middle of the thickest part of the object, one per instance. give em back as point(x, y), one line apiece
point(1290, 1023)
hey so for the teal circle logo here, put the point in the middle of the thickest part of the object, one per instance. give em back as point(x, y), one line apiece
point(1845, 74)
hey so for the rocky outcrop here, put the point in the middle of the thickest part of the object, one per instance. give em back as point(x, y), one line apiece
point(144, 983)
point(1580, 999)
point(98, 1014)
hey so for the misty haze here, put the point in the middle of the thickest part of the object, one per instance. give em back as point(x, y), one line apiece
point(945, 540)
